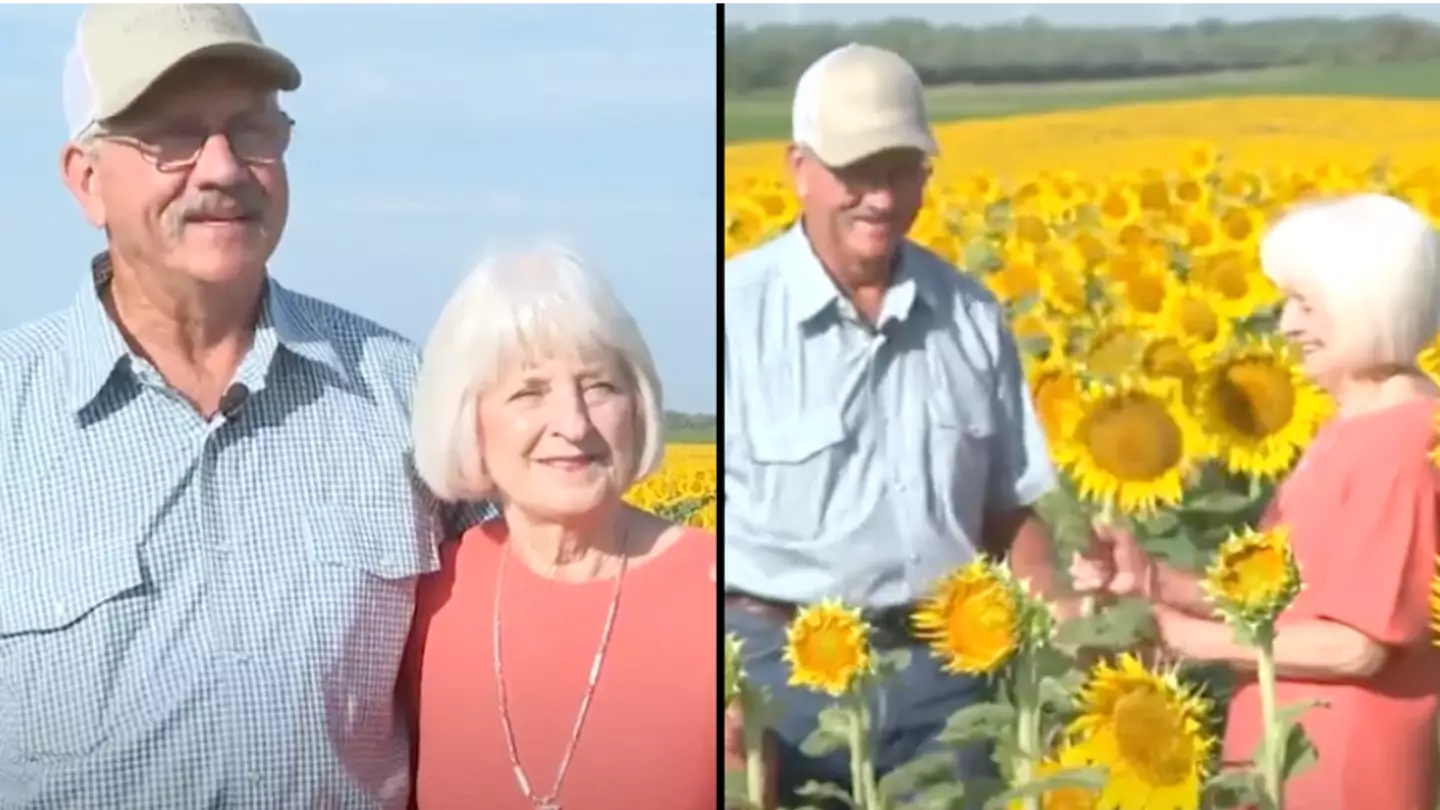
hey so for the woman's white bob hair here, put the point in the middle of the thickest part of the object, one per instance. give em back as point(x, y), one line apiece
point(1375, 263)
point(513, 308)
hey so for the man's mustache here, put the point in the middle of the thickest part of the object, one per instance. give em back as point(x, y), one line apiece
point(247, 201)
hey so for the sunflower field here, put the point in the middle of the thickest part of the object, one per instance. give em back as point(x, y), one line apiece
point(683, 489)
point(1124, 244)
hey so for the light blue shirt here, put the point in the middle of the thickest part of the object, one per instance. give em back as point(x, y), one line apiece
point(858, 460)
point(201, 613)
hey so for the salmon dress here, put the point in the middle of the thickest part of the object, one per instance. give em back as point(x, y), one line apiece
point(1362, 510)
point(651, 737)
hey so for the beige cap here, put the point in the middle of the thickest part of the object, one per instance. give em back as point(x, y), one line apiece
point(122, 49)
point(856, 101)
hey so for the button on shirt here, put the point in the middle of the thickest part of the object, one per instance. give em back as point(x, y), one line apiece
point(207, 613)
point(859, 459)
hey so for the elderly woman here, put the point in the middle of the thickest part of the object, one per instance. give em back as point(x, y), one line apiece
point(1361, 276)
point(565, 655)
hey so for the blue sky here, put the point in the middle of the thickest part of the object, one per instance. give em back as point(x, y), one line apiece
point(1061, 14)
point(427, 135)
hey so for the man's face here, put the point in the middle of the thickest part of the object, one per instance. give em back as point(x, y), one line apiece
point(866, 208)
point(173, 192)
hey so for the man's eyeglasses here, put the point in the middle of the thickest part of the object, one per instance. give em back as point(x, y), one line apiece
point(254, 142)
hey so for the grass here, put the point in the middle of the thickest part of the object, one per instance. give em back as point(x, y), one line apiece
point(690, 435)
point(767, 115)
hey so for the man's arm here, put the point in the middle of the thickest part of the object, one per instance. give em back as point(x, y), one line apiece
point(1020, 474)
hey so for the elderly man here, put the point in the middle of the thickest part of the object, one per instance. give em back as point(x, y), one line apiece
point(878, 430)
point(209, 526)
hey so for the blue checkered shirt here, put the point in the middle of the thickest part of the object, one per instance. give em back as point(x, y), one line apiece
point(860, 460)
point(208, 613)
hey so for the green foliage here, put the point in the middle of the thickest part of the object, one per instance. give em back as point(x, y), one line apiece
point(771, 58)
point(680, 512)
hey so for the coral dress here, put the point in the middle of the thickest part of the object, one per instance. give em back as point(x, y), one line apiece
point(1362, 510)
point(651, 738)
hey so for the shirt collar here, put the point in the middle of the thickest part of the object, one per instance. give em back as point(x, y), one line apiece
point(811, 290)
point(95, 346)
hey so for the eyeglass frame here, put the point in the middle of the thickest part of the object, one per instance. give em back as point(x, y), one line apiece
point(285, 130)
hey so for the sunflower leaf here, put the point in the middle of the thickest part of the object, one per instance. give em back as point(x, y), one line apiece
point(1235, 787)
point(825, 790)
point(1118, 627)
point(1083, 778)
point(944, 796)
point(979, 721)
point(891, 661)
point(1297, 750)
point(831, 734)
point(1058, 691)
point(926, 769)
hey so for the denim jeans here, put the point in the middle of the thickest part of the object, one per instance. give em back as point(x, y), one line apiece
point(907, 712)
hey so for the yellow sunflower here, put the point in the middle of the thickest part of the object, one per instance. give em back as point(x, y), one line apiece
point(828, 647)
point(1066, 798)
point(1234, 277)
point(1148, 731)
point(1429, 360)
point(1132, 447)
point(1254, 576)
point(1114, 347)
point(1142, 294)
point(1055, 388)
point(1258, 409)
point(1194, 315)
point(1435, 602)
point(972, 620)
point(1167, 358)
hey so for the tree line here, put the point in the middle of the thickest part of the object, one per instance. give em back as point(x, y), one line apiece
point(771, 57)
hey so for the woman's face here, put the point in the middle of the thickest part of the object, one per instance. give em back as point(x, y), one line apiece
point(557, 435)
point(1307, 323)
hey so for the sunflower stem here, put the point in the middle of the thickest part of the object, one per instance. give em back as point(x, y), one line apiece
point(859, 752)
point(1272, 747)
point(1027, 725)
point(753, 732)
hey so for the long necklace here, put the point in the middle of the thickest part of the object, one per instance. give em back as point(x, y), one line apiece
point(551, 801)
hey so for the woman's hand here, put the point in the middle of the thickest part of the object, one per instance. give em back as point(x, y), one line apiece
point(1114, 563)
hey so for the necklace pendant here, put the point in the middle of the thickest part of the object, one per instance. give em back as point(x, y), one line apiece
point(547, 804)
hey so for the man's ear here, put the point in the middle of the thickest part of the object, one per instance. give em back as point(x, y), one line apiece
point(78, 171)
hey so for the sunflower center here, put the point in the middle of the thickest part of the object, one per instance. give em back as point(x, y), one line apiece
point(1254, 574)
point(1255, 398)
point(1133, 437)
point(1167, 358)
point(1198, 319)
point(1237, 225)
point(1229, 280)
point(1145, 293)
point(1152, 739)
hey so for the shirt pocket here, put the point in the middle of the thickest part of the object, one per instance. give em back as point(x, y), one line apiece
point(364, 563)
point(797, 463)
point(69, 670)
point(960, 435)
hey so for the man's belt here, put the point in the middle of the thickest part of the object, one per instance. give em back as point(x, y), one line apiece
point(894, 623)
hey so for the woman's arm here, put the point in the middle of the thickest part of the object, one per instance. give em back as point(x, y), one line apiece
point(1312, 650)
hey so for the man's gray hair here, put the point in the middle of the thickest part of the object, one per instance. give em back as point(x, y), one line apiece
point(508, 309)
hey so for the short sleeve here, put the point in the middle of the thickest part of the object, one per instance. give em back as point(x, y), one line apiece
point(1378, 563)
point(1020, 469)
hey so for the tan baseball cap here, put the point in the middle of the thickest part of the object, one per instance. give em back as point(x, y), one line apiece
point(122, 49)
point(857, 101)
